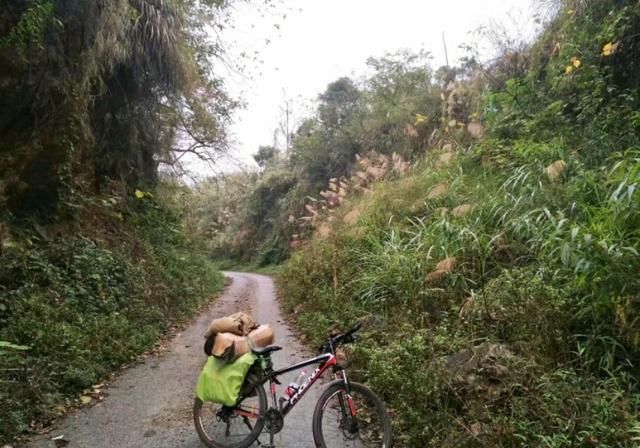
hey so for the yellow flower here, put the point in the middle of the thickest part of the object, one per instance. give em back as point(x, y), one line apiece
point(570, 12)
point(609, 48)
point(139, 194)
point(420, 118)
point(568, 70)
point(576, 62)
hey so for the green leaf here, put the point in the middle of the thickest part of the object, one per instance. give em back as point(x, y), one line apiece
point(9, 345)
point(565, 254)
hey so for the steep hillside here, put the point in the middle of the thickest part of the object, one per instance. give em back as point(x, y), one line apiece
point(539, 272)
point(95, 263)
point(256, 217)
point(81, 298)
point(499, 280)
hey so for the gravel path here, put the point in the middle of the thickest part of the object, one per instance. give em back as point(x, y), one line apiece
point(149, 405)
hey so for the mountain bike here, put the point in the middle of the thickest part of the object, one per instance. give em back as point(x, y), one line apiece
point(347, 413)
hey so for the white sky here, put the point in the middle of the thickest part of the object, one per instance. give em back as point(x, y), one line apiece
point(322, 40)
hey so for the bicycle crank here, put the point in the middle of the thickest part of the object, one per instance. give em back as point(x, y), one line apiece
point(274, 421)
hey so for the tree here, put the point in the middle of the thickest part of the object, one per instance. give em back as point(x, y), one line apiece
point(403, 103)
point(100, 91)
point(324, 147)
point(266, 155)
point(338, 102)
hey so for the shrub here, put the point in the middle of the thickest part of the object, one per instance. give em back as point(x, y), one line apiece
point(514, 270)
point(86, 302)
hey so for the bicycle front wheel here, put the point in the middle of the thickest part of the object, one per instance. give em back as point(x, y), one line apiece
point(232, 427)
point(351, 420)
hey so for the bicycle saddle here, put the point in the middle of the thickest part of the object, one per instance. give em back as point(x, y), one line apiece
point(265, 350)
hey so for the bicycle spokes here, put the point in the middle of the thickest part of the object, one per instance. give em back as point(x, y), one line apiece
point(227, 425)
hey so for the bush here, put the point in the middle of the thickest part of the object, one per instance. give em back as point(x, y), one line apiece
point(514, 270)
point(86, 302)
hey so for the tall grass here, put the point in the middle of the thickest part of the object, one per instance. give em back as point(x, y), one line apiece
point(82, 299)
point(500, 284)
point(544, 266)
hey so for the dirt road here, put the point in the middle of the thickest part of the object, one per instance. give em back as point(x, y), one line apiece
point(149, 405)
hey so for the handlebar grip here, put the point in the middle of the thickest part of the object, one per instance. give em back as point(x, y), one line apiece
point(337, 339)
point(354, 329)
point(349, 339)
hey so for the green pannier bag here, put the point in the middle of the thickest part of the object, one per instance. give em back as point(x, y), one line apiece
point(220, 381)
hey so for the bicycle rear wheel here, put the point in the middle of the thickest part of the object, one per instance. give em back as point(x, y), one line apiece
point(238, 427)
point(359, 420)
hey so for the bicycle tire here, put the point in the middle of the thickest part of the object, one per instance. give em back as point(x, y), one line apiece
point(338, 386)
point(251, 384)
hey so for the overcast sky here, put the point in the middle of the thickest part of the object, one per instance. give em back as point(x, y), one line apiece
point(322, 40)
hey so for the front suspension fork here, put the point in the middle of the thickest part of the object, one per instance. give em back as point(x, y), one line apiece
point(347, 407)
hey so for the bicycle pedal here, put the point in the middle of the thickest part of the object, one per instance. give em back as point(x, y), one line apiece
point(264, 445)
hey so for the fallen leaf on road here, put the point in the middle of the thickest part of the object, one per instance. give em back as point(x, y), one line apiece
point(60, 441)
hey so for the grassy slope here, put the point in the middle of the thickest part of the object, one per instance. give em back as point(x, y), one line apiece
point(539, 266)
point(87, 296)
point(536, 274)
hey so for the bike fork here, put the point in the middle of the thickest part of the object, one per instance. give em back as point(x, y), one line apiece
point(347, 408)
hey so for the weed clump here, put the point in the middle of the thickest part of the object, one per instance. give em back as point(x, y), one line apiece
point(80, 299)
point(500, 284)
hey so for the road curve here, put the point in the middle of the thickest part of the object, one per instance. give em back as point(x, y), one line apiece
point(149, 405)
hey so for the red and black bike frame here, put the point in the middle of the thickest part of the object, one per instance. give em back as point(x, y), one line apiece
point(324, 361)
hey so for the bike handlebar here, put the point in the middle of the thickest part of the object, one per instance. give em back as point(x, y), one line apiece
point(342, 338)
